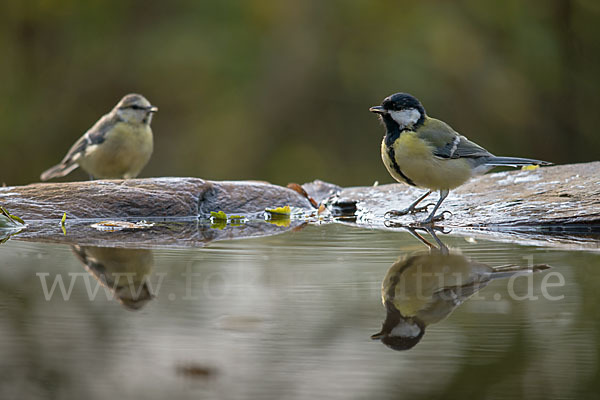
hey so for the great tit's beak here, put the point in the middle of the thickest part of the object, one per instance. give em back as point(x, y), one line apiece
point(378, 110)
point(377, 336)
point(152, 109)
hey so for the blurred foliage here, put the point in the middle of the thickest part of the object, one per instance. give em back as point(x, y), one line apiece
point(280, 90)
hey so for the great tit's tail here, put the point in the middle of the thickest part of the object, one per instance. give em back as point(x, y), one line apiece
point(59, 170)
point(506, 271)
point(513, 161)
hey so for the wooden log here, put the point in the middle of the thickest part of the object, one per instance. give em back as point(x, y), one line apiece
point(144, 198)
point(560, 201)
point(555, 206)
point(551, 196)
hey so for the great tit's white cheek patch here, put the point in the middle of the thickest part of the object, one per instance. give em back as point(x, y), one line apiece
point(406, 330)
point(406, 117)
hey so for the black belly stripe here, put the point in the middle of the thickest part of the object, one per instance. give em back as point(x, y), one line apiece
point(396, 167)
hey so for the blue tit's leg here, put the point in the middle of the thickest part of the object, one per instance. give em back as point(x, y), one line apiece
point(410, 209)
point(91, 177)
point(432, 217)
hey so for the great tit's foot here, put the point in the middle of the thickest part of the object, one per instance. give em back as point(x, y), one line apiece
point(421, 209)
point(391, 224)
point(409, 210)
point(434, 218)
point(395, 213)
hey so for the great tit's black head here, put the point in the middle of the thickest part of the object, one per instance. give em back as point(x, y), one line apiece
point(135, 108)
point(402, 101)
point(399, 332)
point(402, 108)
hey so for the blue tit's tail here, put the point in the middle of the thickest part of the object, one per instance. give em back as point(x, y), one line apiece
point(59, 170)
point(507, 271)
point(513, 161)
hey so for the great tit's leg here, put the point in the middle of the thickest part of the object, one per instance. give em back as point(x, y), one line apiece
point(413, 207)
point(420, 238)
point(91, 177)
point(410, 209)
point(442, 247)
point(432, 217)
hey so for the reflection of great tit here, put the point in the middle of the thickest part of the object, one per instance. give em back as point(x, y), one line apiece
point(124, 272)
point(427, 153)
point(119, 145)
point(426, 287)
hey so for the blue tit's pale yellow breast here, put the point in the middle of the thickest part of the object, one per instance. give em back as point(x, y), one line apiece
point(124, 153)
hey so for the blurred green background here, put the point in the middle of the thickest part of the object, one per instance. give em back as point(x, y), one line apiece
point(280, 90)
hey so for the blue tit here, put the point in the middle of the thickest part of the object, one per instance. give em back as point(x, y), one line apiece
point(118, 146)
point(425, 287)
point(427, 153)
point(124, 272)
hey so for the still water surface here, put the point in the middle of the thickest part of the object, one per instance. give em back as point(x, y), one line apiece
point(291, 317)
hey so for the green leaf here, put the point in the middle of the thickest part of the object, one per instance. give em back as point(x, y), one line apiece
point(278, 213)
point(218, 215)
point(12, 218)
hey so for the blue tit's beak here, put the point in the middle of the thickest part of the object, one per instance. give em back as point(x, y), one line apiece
point(152, 109)
point(378, 110)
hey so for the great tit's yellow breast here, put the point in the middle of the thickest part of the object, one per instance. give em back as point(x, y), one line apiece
point(412, 283)
point(387, 161)
point(125, 151)
point(415, 159)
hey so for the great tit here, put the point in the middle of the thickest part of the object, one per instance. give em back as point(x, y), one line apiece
point(118, 146)
point(427, 286)
point(124, 272)
point(427, 153)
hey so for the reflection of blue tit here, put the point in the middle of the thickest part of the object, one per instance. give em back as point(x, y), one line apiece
point(427, 153)
point(118, 146)
point(124, 272)
point(426, 287)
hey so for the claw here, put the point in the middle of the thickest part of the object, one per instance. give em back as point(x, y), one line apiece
point(440, 216)
point(442, 229)
point(444, 212)
point(392, 224)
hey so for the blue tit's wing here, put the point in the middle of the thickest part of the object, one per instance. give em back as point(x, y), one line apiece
point(93, 137)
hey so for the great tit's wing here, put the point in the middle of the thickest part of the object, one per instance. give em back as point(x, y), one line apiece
point(447, 143)
point(93, 137)
point(445, 300)
point(461, 147)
